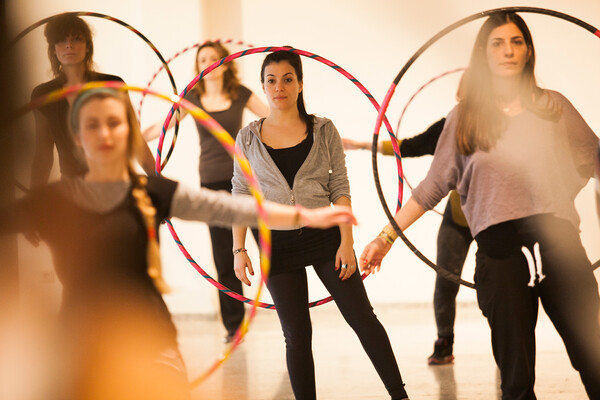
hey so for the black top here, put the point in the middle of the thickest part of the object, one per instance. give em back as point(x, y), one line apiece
point(71, 160)
point(298, 248)
point(424, 143)
point(216, 165)
point(100, 258)
point(289, 159)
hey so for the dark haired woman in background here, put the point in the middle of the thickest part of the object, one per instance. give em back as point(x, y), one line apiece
point(70, 51)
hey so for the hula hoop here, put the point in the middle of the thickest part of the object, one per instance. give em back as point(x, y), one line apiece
point(227, 59)
point(226, 140)
point(109, 18)
point(386, 101)
point(410, 101)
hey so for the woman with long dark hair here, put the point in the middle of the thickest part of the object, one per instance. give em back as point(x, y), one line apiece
point(299, 160)
point(517, 155)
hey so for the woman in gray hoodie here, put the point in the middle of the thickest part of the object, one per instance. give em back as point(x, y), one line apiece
point(299, 160)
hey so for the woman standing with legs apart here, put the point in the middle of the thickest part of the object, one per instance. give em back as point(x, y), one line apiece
point(222, 96)
point(118, 339)
point(299, 160)
point(517, 155)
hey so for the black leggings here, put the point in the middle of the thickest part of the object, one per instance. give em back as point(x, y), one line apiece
point(290, 295)
point(232, 310)
point(568, 292)
point(453, 244)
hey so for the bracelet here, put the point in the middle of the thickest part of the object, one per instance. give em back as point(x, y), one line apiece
point(385, 237)
point(240, 250)
point(388, 234)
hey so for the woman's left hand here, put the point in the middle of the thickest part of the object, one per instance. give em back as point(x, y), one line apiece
point(345, 261)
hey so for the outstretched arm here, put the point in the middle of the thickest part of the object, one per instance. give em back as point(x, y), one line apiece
point(372, 255)
point(223, 209)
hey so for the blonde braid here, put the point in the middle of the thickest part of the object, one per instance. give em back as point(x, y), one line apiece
point(148, 212)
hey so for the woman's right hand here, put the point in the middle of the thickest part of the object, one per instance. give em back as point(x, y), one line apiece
point(372, 255)
point(241, 262)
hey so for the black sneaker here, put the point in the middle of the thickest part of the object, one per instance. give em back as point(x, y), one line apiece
point(442, 352)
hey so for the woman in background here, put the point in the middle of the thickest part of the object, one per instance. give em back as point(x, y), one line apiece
point(224, 98)
point(70, 52)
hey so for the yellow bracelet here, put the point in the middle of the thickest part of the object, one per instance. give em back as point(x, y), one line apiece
point(390, 232)
point(386, 237)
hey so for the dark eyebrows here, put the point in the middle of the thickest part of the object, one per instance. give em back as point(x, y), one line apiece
point(287, 73)
point(512, 38)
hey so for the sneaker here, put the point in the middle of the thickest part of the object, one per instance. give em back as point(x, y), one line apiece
point(442, 352)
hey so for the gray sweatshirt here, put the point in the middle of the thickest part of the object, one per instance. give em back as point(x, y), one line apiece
point(320, 181)
point(213, 207)
point(537, 166)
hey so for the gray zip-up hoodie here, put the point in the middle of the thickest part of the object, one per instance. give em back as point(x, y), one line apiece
point(320, 181)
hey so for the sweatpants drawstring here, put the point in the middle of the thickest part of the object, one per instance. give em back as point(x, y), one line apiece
point(535, 266)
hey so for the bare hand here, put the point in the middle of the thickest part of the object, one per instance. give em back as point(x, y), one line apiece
point(351, 144)
point(326, 217)
point(241, 261)
point(372, 255)
point(345, 261)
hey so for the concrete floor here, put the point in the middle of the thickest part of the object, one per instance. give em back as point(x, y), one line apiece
point(257, 371)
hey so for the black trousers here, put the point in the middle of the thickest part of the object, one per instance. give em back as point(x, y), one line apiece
point(290, 295)
point(568, 293)
point(232, 310)
point(453, 243)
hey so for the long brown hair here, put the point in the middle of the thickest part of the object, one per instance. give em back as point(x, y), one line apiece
point(61, 27)
point(480, 121)
point(231, 82)
point(139, 183)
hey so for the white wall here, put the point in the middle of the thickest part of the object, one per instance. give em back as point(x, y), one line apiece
point(371, 40)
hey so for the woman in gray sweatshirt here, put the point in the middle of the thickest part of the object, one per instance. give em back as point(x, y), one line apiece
point(299, 160)
point(517, 155)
